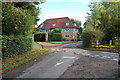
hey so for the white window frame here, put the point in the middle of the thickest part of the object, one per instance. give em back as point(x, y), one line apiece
point(53, 24)
point(67, 35)
point(41, 25)
point(75, 24)
point(67, 23)
point(67, 30)
point(40, 30)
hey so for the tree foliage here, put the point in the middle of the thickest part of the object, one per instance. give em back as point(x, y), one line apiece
point(102, 23)
point(103, 20)
point(78, 22)
point(19, 18)
point(56, 30)
point(56, 35)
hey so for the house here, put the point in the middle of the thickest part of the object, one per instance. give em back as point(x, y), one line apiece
point(69, 28)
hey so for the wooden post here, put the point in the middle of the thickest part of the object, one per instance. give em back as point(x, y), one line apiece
point(110, 43)
point(97, 44)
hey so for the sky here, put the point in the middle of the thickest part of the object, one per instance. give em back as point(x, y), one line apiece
point(76, 9)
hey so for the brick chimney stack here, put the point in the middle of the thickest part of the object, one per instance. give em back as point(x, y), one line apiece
point(72, 19)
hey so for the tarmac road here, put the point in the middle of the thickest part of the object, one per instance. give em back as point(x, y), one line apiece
point(67, 61)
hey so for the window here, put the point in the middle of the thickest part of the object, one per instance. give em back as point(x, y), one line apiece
point(75, 24)
point(40, 30)
point(67, 30)
point(41, 25)
point(46, 30)
point(67, 23)
point(53, 24)
point(67, 36)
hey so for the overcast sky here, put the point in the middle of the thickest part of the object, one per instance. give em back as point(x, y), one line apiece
point(76, 9)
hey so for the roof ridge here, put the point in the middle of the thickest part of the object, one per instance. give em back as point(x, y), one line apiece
point(58, 18)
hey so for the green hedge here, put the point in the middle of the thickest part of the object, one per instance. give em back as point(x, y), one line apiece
point(55, 37)
point(39, 37)
point(86, 37)
point(14, 46)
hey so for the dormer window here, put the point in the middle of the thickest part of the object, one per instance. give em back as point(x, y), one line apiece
point(53, 24)
point(67, 23)
point(41, 25)
point(75, 24)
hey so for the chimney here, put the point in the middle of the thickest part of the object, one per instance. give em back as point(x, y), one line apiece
point(72, 19)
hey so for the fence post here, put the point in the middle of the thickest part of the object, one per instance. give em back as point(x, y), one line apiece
point(97, 44)
point(110, 44)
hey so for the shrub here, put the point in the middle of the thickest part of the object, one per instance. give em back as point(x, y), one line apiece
point(14, 46)
point(55, 37)
point(49, 36)
point(73, 40)
point(18, 20)
point(86, 37)
point(64, 39)
point(39, 37)
point(56, 30)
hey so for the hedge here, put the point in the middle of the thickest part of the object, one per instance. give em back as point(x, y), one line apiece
point(14, 46)
point(55, 37)
point(86, 37)
point(39, 37)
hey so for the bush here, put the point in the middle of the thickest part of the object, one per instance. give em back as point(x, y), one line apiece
point(14, 46)
point(17, 20)
point(39, 37)
point(49, 36)
point(56, 30)
point(86, 37)
point(55, 37)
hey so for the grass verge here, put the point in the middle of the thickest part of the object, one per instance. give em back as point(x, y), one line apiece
point(10, 63)
point(107, 50)
point(100, 49)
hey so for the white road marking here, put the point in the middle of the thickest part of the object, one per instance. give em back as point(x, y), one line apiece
point(115, 59)
point(68, 57)
point(105, 57)
point(97, 55)
point(59, 63)
point(84, 54)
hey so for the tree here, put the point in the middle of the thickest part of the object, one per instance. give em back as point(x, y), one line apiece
point(79, 29)
point(78, 22)
point(35, 30)
point(92, 25)
point(19, 18)
point(103, 21)
point(113, 30)
point(56, 30)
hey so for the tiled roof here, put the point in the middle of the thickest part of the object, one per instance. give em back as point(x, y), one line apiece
point(59, 22)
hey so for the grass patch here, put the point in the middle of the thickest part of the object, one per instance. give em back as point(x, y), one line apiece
point(100, 49)
point(61, 42)
point(10, 63)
